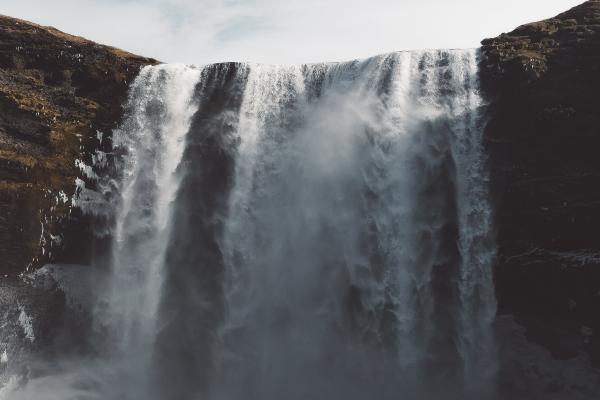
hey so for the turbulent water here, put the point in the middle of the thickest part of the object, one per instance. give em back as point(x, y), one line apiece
point(311, 232)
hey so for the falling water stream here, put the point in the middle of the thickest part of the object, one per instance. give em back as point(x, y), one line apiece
point(299, 232)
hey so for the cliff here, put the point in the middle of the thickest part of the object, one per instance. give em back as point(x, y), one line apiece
point(60, 96)
point(543, 138)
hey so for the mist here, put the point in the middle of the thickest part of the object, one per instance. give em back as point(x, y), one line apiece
point(287, 232)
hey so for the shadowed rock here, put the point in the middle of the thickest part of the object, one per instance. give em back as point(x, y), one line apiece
point(543, 136)
point(56, 92)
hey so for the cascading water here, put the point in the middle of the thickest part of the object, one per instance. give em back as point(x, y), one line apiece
point(154, 138)
point(312, 232)
point(357, 245)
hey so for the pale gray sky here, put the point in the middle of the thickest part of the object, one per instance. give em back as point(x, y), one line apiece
point(282, 31)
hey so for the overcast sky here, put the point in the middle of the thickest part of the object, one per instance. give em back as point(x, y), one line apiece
point(282, 31)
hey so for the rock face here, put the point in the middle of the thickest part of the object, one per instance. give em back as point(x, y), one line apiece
point(60, 96)
point(543, 137)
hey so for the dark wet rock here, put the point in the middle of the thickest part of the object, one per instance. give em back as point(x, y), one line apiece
point(57, 92)
point(530, 372)
point(543, 137)
point(30, 315)
point(543, 81)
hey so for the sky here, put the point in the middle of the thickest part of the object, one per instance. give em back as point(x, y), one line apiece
point(282, 31)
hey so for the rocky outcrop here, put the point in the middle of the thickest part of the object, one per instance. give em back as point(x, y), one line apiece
point(60, 97)
point(543, 136)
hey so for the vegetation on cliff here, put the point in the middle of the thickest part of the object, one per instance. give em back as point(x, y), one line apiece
point(60, 96)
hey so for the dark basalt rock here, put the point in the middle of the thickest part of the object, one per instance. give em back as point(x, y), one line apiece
point(543, 84)
point(543, 138)
point(56, 92)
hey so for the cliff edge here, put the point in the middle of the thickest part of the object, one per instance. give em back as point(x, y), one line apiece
point(543, 137)
point(60, 96)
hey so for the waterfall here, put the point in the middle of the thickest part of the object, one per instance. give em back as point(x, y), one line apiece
point(316, 232)
point(153, 136)
point(357, 247)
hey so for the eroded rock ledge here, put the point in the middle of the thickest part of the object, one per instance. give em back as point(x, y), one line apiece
point(543, 82)
point(60, 95)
